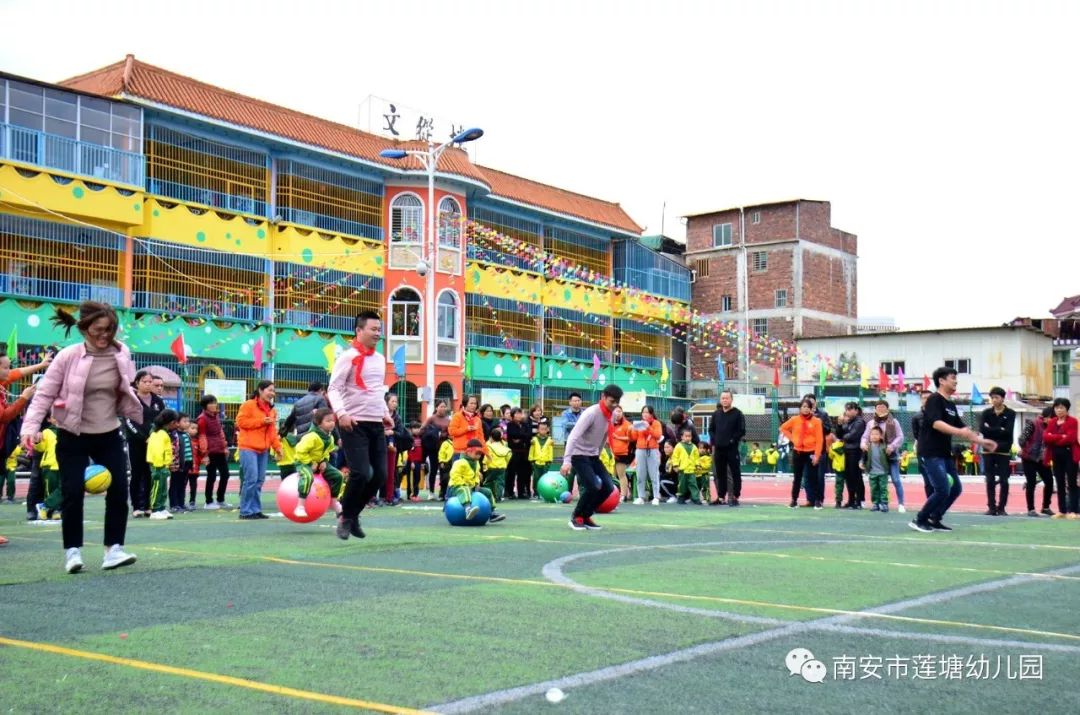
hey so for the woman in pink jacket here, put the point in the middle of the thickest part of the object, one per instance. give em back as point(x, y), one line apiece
point(88, 389)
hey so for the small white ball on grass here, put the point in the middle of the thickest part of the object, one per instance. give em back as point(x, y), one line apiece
point(554, 695)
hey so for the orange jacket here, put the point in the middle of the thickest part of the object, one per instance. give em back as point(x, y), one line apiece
point(619, 438)
point(461, 433)
point(649, 438)
point(252, 433)
point(805, 434)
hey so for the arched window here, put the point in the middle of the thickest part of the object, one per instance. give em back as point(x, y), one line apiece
point(449, 328)
point(450, 231)
point(406, 231)
point(406, 326)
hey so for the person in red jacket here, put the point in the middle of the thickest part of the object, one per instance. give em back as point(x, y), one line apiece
point(1063, 451)
point(214, 449)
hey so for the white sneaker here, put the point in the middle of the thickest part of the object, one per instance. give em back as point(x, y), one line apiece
point(224, 505)
point(300, 512)
point(335, 505)
point(212, 506)
point(73, 560)
point(161, 515)
point(639, 501)
point(656, 502)
point(901, 509)
point(671, 500)
point(115, 557)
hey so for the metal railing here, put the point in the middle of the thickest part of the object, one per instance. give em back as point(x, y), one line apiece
point(51, 151)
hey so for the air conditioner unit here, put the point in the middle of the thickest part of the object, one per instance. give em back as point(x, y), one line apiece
point(693, 275)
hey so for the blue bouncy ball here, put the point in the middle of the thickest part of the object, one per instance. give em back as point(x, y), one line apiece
point(455, 511)
point(565, 497)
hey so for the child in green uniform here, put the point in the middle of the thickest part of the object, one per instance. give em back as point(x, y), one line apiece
point(498, 457)
point(159, 454)
point(836, 459)
point(312, 455)
point(703, 470)
point(541, 453)
point(607, 458)
point(757, 457)
point(876, 464)
point(772, 458)
point(50, 472)
point(684, 463)
point(465, 478)
point(289, 440)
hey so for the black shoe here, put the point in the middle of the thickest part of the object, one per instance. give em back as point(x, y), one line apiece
point(496, 518)
point(344, 527)
point(249, 516)
point(794, 505)
point(936, 525)
point(260, 515)
point(923, 526)
point(733, 502)
point(591, 525)
point(1047, 512)
point(1002, 512)
point(354, 528)
point(681, 500)
point(716, 502)
point(990, 512)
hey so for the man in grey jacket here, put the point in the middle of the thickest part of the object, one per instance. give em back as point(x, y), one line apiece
point(582, 455)
point(305, 407)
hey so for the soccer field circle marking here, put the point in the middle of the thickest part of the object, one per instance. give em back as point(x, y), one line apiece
point(553, 571)
point(211, 677)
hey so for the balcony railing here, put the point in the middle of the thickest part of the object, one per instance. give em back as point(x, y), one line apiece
point(651, 272)
point(188, 305)
point(64, 291)
point(207, 197)
point(310, 219)
point(51, 151)
point(497, 342)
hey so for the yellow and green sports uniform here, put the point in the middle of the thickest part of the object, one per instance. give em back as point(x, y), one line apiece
point(465, 479)
point(702, 471)
point(836, 459)
point(287, 463)
point(496, 461)
point(684, 462)
point(159, 455)
point(50, 469)
point(541, 454)
point(8, 475)
point(314, 448)
point(446, 455)
point(756, 459)
point(772, 457)
point(607, 458)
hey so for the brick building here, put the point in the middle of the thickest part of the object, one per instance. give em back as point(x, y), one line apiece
point(778, 268)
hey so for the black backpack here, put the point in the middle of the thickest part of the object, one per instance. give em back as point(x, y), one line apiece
point(11, 438)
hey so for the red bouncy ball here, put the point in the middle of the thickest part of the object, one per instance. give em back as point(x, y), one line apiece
point(316, 504)
point(609, 504)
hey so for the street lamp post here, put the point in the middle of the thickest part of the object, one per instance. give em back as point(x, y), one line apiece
point(429, 159)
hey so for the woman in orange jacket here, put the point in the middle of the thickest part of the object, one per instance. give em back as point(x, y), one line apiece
point(466, 425)
point(804, 431)
point(620, 435)
point(648, 440)
point(256, 436)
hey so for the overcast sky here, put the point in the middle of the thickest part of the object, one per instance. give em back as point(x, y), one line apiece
point(945, 134)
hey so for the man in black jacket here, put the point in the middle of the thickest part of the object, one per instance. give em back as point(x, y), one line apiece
point(997, 423)
point(849, 429)
point(826, 430)
point(726, 430)
point(916, 427)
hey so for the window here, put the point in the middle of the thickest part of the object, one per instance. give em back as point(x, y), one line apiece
point(725, 303)
point(755, 217)
point(759, 390)
point(760, 326)
point(450, 224)
point(961, 365)
point(721, 235)
point(406, 231)
point(1061, 368)
point(781, 298)
point(405, 322)
point(701, 267)
point(893, 367)
point(759, 261)
point(449, 328)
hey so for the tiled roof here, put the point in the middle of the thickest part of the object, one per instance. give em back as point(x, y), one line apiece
point(1067, 308)
point(137, 79)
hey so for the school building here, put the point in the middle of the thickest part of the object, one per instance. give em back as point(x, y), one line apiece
point(256, 233)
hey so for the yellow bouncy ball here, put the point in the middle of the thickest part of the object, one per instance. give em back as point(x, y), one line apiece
point(97, 479)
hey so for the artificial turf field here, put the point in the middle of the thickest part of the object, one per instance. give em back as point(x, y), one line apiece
point(668, 609)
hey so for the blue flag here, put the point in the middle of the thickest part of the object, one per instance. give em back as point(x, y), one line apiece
point(720, 371)
point(976, 396)
point(399, 361)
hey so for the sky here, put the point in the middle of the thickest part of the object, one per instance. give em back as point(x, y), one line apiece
point(945, 134)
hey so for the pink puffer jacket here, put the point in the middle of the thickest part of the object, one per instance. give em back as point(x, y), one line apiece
point(64, 383)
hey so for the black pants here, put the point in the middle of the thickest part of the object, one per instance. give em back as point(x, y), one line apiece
point(594, 484)
point(365, 451)
point(519, 472)
point(804, 468)
point(725, 462)
point(432, 470)
point(177, 484)
point(996, 470)
point(853, 480)
point(140, 475)
point(415, 470)
point(36, 491)
point(1033, 471)
point(217, 469)
point(1065, 476)
point(73, 453)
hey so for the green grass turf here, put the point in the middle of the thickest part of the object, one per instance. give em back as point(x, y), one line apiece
point(383, 620)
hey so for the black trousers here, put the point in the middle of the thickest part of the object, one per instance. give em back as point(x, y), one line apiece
point(519, 472)
point(853, 480)
point(73, 453)
point(1033, 471)
point(804, 469)
point(432, 470)
point(414, 471)
point(365, 452)
point(725, 462)
point(594, 484)
point(996, 471)
point(140, 475)
point(1065, 476)
point(36, 491)
point(217, 469)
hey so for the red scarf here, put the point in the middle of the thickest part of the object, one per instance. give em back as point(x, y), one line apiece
point(605, 411)
point(263, 405)
point(358, 362)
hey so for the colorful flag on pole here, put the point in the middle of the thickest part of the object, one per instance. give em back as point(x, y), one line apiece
point(399, 361)
point(900, 380)
point(883, 380)
point(178, 349)
point(776, 376)
point(864, 376)
point(976, 396)
point(720, 372)
point(822, 375)
point(13, 343)
point(595, 367)
point(532, 367)
point(551, 369)
point(257, 354)
point(663, 371)
point(331, 351)
point(468, 365)
point(925, 381)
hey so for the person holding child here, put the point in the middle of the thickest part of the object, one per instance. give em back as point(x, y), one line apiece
point(465, 479)
point(312, 455)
